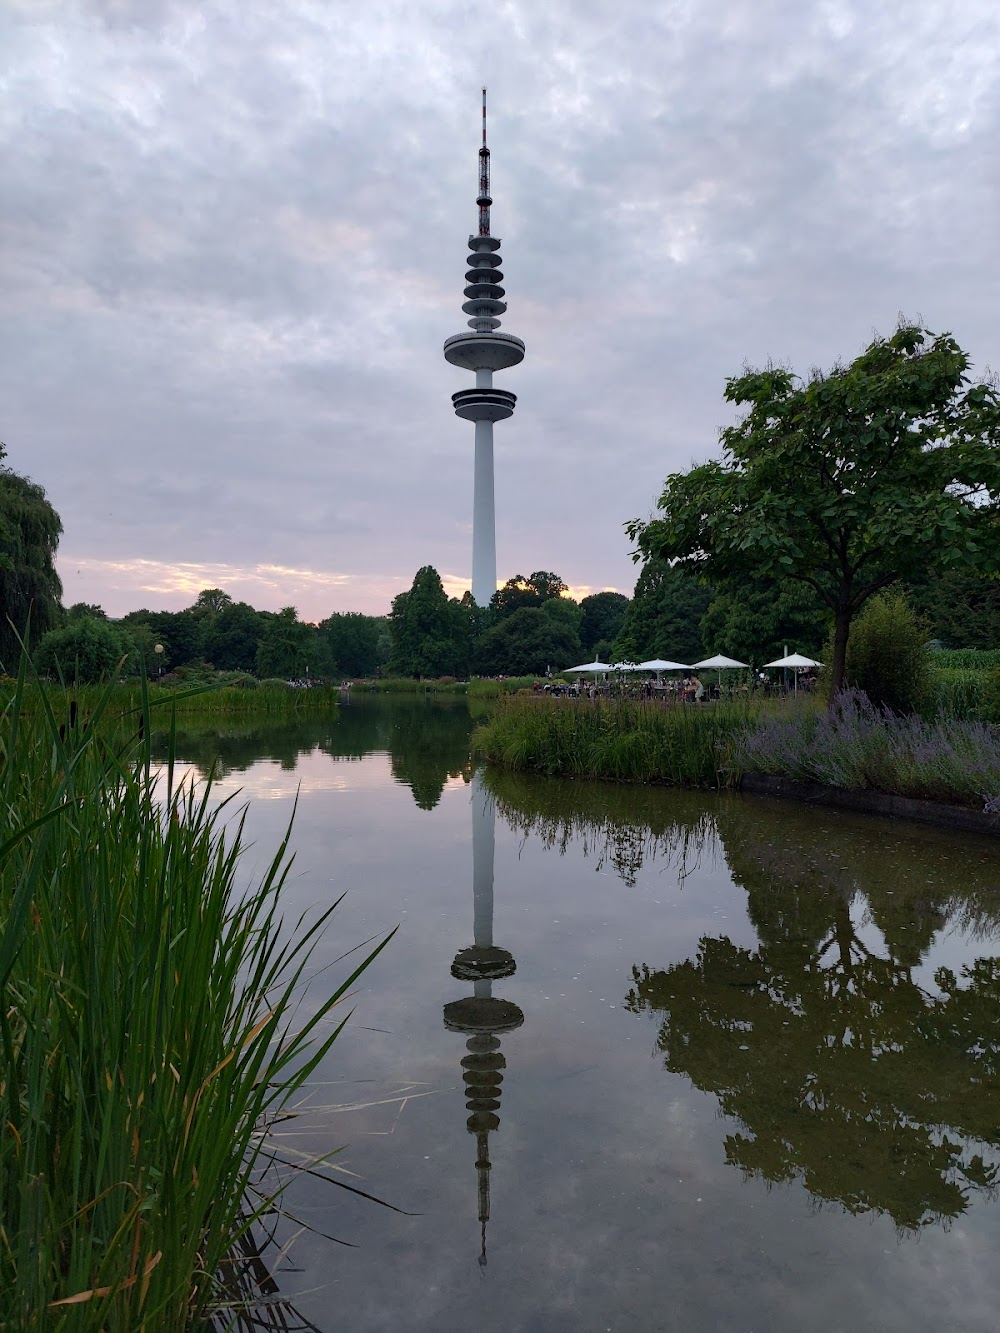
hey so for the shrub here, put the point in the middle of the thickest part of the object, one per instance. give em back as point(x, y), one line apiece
point(83, 652)
point(887, 656)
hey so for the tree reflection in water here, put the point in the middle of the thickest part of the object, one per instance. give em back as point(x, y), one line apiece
point(427, 742)
point(875, 1088)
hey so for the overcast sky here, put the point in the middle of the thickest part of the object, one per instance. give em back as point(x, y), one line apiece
point(233, 238)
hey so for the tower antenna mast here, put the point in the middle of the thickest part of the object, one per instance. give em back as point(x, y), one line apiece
point(484, 199)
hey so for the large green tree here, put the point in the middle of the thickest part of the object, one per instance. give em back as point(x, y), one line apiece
point(754, 619)
point(284, 646)
point(430, 631)
point(603, 613)
point(232, 635)
point(961, 606)
point(526, 643)
point(846, 481)
point(181, 633)
point(30, 589)
point(355, 642)
point(520, 592)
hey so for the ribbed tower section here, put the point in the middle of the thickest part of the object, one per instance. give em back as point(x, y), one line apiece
point(484, 351)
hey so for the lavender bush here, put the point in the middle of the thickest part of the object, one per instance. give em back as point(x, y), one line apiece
point(858, 746)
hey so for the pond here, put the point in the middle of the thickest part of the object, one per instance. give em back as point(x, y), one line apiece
point(634, 1059)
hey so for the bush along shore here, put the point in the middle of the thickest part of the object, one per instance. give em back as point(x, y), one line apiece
point(148, 1022)
point(853, 746)
point(479, 687)
point(268, 699)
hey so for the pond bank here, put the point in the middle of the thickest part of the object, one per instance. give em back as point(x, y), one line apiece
point(873, 803)
point(860, 757)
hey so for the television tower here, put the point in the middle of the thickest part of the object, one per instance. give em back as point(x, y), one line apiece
point(484, 351)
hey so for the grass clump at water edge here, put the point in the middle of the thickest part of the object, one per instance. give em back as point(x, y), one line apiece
point(680, 744)
point(147, 1028)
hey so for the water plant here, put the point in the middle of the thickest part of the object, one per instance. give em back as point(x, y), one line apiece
point(151, 1022)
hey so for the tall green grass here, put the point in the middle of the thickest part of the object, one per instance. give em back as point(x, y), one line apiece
point(966, 659)
point(956, 692)
point(149, 1025)
point(622, 742)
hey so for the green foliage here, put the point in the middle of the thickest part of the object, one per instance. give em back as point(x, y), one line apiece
point(520, 592)
point(990, 700)
point(232, 635)
point(430, 632)
point(210, 601)
point(752, 621)
point(961, 606)
point(492, 687)
point(966, 659)
point(603, 613)
point(284, 646)
point(83, 651)
point(887, 657)
point(91, 609)
point(356, 642)
point(30, 590)
point(955, 692)
point(848, 481)
point(151, 1023)
point(531, 639)
point(180, 632)
point(664, 616)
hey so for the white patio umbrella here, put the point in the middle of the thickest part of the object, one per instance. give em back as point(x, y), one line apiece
point(794, 660)
point(659, 664)
point(589, 666)
point(720, 661)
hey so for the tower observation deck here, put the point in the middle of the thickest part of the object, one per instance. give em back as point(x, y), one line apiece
point(484, 351)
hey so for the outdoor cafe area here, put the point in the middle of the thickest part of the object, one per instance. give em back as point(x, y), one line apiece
point(660, 679)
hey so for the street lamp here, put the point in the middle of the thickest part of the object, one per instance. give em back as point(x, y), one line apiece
point(158, 650)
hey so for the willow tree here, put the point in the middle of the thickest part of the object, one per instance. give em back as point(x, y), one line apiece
point(846, 481)
point(30, 589)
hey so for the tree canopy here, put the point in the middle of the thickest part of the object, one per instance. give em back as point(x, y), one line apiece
point(846, 481)
point(430, 631)
point(664, 616)
point(520, 592)
point(603, 613)
point(527, 643)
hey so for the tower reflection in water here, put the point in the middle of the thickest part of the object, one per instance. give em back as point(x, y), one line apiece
point(482, 1016)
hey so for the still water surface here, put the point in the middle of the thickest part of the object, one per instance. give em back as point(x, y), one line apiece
point(730, 1064)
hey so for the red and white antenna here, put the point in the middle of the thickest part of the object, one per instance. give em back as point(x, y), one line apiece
point(484, 199)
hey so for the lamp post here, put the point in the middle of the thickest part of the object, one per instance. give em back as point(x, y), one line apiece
point(158, 650)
